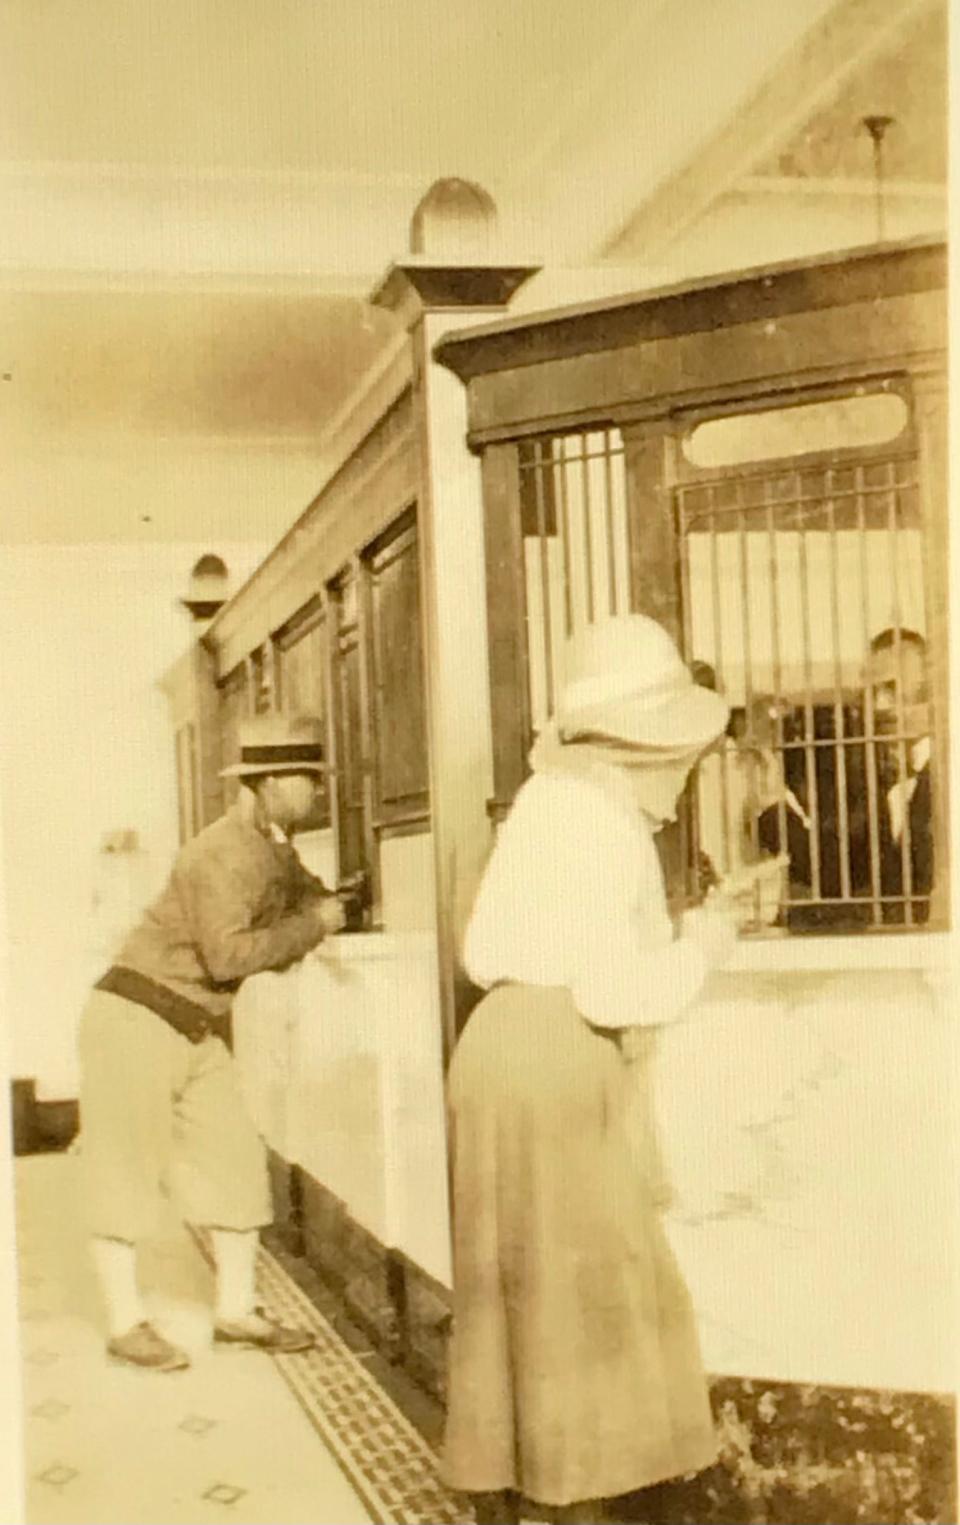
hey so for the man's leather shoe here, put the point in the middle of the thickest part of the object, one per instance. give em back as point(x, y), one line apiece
point(143, 1346)
point(258, 1332)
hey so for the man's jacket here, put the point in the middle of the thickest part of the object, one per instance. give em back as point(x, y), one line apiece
point(238, 901)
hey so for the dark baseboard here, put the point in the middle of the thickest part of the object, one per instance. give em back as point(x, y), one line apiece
point(808, 1455)
point(385, 1308)
point(41, 1127)
point(403, 1312)
point(789, 1454)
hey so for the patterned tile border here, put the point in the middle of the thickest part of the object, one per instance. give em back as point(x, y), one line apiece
point(384, 1458)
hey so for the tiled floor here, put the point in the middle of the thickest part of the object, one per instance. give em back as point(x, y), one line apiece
point(227, 1440)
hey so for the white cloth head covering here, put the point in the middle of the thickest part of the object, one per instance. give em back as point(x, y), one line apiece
point(624, 678)
point(629, 701)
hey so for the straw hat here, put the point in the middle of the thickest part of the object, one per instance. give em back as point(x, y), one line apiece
point(624, 678)
point(277, 744)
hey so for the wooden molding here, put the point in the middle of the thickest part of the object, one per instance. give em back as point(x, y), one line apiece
point(417, 284)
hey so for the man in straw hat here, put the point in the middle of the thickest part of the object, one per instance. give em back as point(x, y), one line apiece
point(159, 1096)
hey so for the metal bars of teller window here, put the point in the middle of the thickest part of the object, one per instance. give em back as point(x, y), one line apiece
point(787, 579)
point(576, 546)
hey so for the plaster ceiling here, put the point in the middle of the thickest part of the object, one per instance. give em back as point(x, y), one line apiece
point(241, 367)
point(909, 84)
point(415, 88)
point(199, 196)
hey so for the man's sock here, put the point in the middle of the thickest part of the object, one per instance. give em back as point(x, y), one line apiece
point(116, 1265)
point(235, 1255)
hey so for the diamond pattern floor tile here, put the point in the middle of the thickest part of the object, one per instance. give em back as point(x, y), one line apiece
point(384, 1456)
point(57, 1476)
point(51, 1408)
point(224, 1493)
point(111, 1445)
point(195, 1424)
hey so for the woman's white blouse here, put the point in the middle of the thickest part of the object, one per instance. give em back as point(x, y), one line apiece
point(573, 895)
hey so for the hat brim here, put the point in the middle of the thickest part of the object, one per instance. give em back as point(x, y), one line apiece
point(254, 770)
point(690, 720)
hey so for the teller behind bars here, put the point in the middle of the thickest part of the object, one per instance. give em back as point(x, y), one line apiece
point(160, 1100)
point(575, 1371)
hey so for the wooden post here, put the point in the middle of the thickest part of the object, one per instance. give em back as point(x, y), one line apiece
point(930, 401)
point(506, 622)
point(431, 299)
point(208, 734)
point(654, 551)
point(655, 591)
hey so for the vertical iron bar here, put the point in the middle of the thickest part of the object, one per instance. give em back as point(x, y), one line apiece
point(608, 506)
point(560, 475)
point(686, 617)
point(839, 730)
point(893, 535)
point(544, 578)
point(782, 827)
point(748, 675)
point(716, 598)
point(587, 528)
point(870, 742)
point(809, 736)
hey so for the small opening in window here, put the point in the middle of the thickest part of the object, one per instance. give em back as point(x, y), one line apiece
point(804, 601)
point(839, 423)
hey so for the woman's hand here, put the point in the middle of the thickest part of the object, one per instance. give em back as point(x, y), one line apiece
point(751, 894)
point(713, 926)
point(331, 915)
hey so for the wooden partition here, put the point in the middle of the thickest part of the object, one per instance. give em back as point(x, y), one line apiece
point(758, 461)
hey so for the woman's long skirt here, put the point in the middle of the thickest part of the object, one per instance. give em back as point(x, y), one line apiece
point(575, 1368)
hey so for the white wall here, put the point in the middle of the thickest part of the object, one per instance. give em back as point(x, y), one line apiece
point(758, 223)
point(342, 1065)
point(807, 1125)
point(754, 226)
point(87, 632)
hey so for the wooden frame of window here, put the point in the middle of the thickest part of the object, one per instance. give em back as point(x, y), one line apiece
point(261, 689)
point(234, 695)
point(306, 634)
point(348, 724)
point(368, 681)
point(400, 788)
point(188, 781)
point(832, 496)
point(380, 760)
point(655, 364)
point(506, 623)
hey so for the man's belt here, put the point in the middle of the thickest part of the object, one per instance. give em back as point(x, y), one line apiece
point(187, 1017)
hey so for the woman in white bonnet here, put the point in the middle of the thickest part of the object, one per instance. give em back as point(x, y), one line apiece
point(575, 1371)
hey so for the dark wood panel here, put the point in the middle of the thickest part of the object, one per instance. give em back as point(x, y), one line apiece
point(398, 693)
point(654, 376)
point(506, 619)
point(824, 283)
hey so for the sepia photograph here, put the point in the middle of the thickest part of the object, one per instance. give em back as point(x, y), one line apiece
point(477, 962)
